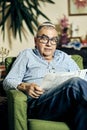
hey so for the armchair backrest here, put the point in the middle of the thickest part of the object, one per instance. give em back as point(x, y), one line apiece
point(8, 63)
point(79, 60)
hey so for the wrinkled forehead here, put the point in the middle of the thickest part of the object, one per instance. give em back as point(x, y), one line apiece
point(44, 29)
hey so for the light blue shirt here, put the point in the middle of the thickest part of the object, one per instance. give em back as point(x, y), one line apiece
point(31, 67)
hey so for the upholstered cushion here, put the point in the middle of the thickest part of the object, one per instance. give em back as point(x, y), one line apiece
point(35, 124)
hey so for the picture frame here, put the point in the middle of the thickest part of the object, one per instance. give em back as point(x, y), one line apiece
point(73, 10)
point(75, 39)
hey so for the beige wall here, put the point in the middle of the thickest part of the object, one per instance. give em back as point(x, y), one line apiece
point(54, 12)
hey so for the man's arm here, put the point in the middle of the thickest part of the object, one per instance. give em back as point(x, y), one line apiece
point(16, 74)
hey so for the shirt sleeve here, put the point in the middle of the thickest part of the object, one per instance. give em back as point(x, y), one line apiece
point(16, 73)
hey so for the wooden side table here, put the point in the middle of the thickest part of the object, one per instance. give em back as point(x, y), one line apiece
point(3, 101)
point(2, 91)
point(2, 71)
point(2, 76)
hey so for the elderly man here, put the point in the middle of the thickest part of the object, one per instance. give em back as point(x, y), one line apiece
point(65, 102)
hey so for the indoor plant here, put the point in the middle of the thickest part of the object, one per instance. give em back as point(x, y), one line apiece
point(20, 11)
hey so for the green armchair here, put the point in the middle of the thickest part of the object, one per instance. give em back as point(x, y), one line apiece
point(17, 107)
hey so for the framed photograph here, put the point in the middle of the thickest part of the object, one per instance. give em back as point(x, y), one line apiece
point(75, 39)
point(74, 10)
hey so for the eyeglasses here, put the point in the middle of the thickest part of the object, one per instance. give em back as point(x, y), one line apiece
point(45, 39)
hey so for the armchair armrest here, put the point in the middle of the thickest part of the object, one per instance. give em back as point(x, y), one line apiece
point(17, 109)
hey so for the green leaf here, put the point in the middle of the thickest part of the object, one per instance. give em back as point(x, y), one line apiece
point(19, 11)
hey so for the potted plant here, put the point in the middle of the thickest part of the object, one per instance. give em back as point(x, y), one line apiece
point(20, 11)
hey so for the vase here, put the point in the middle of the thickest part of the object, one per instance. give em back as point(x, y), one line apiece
point(64, 39)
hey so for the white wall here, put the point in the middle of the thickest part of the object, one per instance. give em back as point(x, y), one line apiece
point(54, 12)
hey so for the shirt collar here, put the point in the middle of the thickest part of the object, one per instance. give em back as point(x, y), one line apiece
point(36, 51)
point(56, 53)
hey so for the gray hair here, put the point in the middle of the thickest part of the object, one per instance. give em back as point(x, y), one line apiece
point(47, 24)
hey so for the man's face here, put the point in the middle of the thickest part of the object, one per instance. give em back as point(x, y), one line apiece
point(45, 46)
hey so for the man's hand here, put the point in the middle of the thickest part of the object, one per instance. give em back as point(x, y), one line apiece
point(31, 89)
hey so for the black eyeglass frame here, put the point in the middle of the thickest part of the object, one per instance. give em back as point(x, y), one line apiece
point(48, 39)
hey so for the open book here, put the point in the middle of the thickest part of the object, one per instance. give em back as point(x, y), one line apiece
point(55, 79)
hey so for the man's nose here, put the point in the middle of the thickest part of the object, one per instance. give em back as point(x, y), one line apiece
point(49, 42)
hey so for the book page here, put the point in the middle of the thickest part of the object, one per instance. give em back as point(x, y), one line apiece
point(55, 79)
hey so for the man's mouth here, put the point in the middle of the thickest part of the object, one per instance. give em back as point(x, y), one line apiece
point(47, 49)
